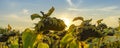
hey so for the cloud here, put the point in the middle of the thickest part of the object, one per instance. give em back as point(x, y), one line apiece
point(74, 4)
point(110, 8)
point(15, 17)
point(16, 21)
point(78, 9)
point(70, 3)
point(25, 11)
point(73, 9)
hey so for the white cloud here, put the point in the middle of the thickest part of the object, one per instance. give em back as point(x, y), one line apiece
point(73, 9)
point(17, 22)
point(25, 11)
point(12, 16)
point(78, 9)
point(110, 8)
point(15, 17)
point(74, 4)
point(70, 3)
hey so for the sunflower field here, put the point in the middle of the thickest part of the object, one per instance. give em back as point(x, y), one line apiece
point(51, 32)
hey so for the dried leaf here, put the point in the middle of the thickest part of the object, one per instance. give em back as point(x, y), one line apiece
point(9, 27)
point(99, 21)
point(33, 16)
point(50, 11)
point(78, 18)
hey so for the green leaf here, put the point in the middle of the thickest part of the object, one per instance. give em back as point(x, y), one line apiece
point(13, 46)
point(33, 16)
point(66, 39)
point(72, 28)
point(43, 45)
point(28, 38)
point(73, 44)
point(14, 43)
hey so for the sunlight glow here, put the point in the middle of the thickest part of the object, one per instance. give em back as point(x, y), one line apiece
point(67, 21)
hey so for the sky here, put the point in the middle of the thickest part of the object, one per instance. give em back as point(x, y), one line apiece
point(17, 12)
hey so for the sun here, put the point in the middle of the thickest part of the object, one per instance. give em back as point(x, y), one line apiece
point(67, 21)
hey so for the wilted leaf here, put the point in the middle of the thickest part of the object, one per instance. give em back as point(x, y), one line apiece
point(33, 16)
point(9, 27)
point(50, 11)
point(99, 21)
point(78, 18)
point(54, 21)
